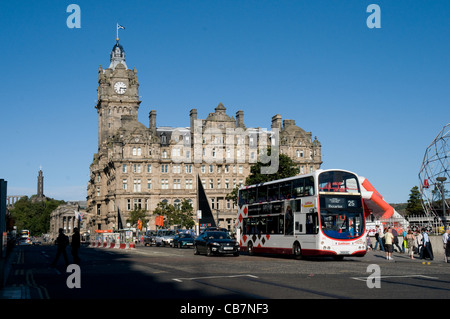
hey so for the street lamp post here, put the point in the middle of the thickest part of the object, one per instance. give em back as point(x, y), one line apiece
point(442, 180)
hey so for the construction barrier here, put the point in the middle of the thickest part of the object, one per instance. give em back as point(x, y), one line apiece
point(94, 244)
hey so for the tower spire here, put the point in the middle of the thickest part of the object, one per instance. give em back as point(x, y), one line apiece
point(118, 53)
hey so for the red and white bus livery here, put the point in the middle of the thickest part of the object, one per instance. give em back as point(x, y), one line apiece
point(317, 214)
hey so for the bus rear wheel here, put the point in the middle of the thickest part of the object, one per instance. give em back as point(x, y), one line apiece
point(297, 251)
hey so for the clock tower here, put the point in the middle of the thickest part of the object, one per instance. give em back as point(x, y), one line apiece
point(118, 95)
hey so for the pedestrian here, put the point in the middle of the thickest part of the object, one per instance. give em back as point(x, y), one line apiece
point(395, 234)
point(426, 245)
point(446, 242)
point(369, 242)
point(76, 243)
point(405, 243)
point(62, 241)
point(419, 240)
point(389, 240)
point(410, 243)
point(378, 236)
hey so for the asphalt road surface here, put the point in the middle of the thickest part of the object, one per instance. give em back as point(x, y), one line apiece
point(163, 273)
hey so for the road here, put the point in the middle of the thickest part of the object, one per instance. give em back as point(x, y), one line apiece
point(163, 273)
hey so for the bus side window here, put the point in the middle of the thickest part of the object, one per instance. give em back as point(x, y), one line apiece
point(309, 186)
point(285, 190)
point(273, 192)
point(243, 197)
point(298, 187)
point(262, 194)
point(251, 195)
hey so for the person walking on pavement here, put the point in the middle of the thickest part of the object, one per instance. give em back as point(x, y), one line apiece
point(378, 236)
point(426, 245)
point(446, 242)
point(419, 239)
point(410, 243)
point(76, 243)
point(389, 240)
point(62, 241)
point(395, 233)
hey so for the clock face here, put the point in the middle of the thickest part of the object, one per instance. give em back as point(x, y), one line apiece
point(120, 87)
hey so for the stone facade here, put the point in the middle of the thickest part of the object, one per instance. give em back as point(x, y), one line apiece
point(68, 216)
point(139, 166)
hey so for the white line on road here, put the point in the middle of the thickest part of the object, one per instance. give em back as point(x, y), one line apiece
point(212, 277)
point(384, 277)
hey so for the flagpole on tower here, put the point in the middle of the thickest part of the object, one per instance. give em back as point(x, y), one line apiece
point(117, 31)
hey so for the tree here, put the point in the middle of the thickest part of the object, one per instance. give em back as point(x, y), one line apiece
point(136, 215)
point(414, 206)
point(34, 215)
point(286, 168)
point(164, 209)
point(176, 215)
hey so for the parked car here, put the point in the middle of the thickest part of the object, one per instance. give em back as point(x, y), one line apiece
point(183, 240)
point(215, 242)
point(164, 237)
point(214, 229)
point(149, 238)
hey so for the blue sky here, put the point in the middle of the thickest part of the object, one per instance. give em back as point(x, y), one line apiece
point(375, 98)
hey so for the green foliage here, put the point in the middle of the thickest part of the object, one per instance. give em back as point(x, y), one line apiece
point(414, 206)
point(34, 215)
point(136, 214)
point(176, 215)
point(286, 168)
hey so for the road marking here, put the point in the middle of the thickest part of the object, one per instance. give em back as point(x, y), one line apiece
point(42, 291)
point(402, 276)
point(211, 277)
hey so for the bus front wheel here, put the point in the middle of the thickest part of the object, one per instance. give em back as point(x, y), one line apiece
point(297, 251)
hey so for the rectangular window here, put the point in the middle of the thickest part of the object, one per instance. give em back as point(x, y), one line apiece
point(136, 185)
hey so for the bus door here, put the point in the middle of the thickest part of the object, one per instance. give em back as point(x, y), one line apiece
point(289, 211)
point(299, 217)
point(311, 221)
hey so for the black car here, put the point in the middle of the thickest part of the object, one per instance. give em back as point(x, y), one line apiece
point(183, 240)
point(215, 242)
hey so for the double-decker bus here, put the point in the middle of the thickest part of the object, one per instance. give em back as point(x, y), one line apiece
point(24, 233)
point(317, 214)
